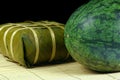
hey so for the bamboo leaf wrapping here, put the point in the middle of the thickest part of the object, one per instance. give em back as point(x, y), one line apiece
point(33, 43)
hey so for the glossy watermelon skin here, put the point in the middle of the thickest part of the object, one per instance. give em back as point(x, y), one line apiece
point(92, 35)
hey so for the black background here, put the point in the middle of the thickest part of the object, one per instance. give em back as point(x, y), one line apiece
point(56, 10)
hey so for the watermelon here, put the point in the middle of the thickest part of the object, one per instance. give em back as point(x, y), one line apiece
point(92, 35)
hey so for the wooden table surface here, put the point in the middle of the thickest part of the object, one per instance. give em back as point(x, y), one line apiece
point(65, 71)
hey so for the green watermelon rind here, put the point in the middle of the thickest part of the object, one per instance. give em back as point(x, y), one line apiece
point(92, 35)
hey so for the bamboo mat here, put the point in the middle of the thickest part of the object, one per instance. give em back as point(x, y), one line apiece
point(65, 71)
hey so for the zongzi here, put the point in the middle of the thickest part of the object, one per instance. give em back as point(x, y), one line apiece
point(33, 43)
